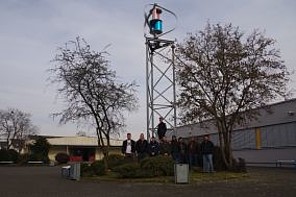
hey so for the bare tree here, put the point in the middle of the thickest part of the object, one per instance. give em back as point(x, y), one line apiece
point(92, 91)
point(16, 127)
point(224, 75)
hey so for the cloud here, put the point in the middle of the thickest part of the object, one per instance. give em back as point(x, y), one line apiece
point(31, 31)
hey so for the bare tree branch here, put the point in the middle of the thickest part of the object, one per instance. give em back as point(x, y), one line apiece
point(91, 89)
point(16, 127)
point(224, 75)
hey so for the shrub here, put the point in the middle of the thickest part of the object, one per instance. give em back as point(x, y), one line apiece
point(38, 157)
point(158, 166)
point(39, 150)
point(14, 155)
point(4, 155)
point(86, 170)
point(218, 162)
point(23, 158)
point(149, 167)
point(115, 160)
point(9, 155)
point(129, 170)
point(239, 165)
point(219, 165)
point(62, 158)
point(98, 168)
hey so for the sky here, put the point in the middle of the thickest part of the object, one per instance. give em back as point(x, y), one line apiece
point(32, 30)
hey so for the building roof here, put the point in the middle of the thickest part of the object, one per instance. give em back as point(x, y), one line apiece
point(79, 141)
point(280, 113)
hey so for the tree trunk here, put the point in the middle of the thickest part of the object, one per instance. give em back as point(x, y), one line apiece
point(106, 158)
point(102, 146)
point(225, 147)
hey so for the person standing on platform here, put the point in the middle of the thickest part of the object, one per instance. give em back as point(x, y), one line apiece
point(161, 128)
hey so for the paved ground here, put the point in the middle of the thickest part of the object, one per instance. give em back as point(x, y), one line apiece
point(46, 181)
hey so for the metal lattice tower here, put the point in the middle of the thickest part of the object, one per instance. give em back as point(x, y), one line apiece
point(160, 73)
point(160, 79)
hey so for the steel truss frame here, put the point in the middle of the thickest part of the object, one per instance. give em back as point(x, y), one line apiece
point(160, 84)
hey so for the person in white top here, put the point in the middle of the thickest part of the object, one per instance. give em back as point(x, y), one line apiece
point(128, 146)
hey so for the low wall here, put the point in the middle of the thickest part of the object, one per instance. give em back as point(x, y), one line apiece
point(266, 157)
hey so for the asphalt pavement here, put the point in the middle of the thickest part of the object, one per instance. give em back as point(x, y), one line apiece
point(39, 181)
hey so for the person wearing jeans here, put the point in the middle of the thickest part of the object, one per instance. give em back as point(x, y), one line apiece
point(207, 149)
point(193, 152)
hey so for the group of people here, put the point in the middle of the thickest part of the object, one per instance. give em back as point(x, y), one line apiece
point(140, 148)
point(192, 153)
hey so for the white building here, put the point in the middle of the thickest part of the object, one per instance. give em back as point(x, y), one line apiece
point(269, 138)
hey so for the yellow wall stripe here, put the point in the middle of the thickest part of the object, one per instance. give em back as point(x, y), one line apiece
point(258, 138)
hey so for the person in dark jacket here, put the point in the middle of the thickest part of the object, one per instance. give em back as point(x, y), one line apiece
point(165, 147)
point(154, 148)
point(175, 149)
point(193, 152)
point(182, 151)
point(207, 149)
point(161, 128)
point(142, 147)
point(128, 147)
